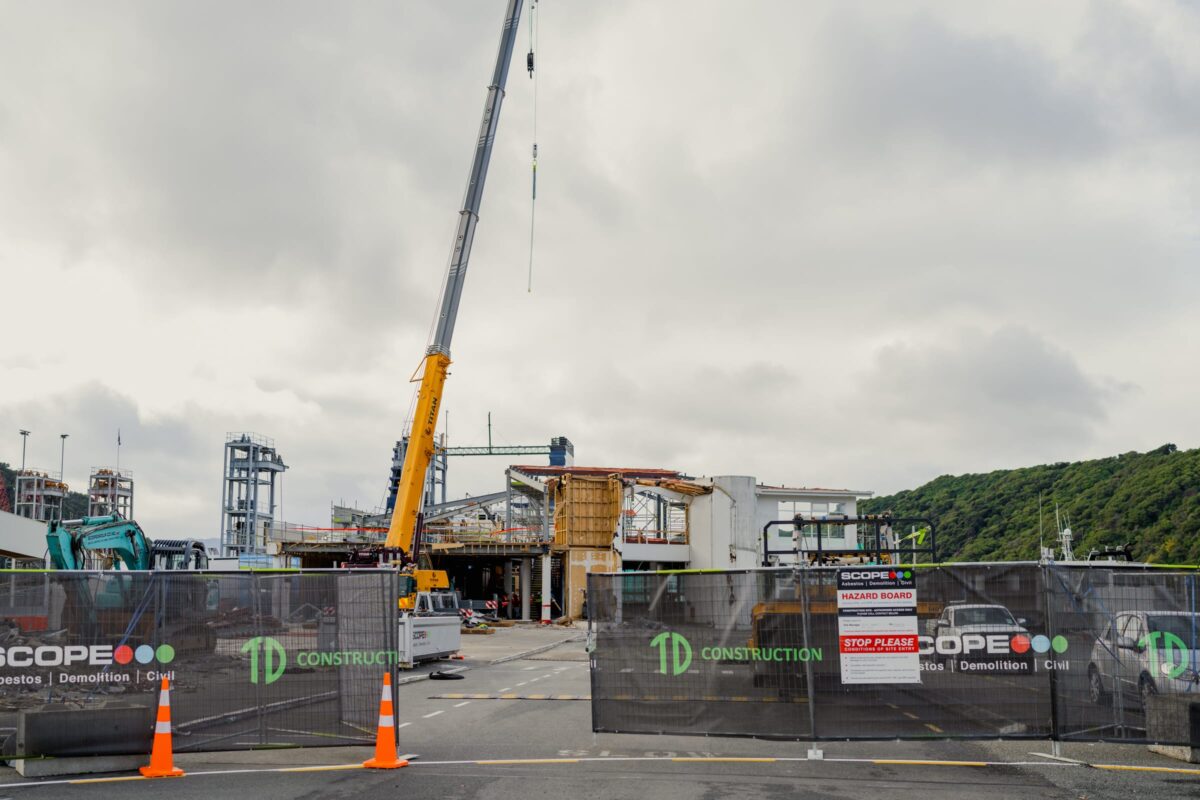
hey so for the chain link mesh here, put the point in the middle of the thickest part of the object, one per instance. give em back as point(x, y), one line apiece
point(1007, 650)
point(254, 659)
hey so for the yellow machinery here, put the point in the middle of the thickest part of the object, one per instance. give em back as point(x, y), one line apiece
point(425, 581)
point(404, 532)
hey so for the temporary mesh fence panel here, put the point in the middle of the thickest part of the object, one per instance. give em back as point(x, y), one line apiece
point(1133, 640)
point(1003, 650)
point(255, 660)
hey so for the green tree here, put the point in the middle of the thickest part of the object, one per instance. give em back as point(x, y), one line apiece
point(1148, 500)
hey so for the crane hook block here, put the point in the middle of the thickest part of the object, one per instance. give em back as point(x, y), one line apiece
point(529, 63)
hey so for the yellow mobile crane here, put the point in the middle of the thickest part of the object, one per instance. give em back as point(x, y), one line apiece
point(404, 532)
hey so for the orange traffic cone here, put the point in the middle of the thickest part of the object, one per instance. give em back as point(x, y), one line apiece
point(385, 738)
point(162, 764)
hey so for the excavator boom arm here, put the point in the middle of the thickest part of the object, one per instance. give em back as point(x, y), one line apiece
point(69, 541)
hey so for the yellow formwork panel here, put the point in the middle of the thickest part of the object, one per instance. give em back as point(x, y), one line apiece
point(587, 510)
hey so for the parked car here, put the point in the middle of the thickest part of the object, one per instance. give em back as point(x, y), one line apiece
point(973, 621)
point(1141, 653)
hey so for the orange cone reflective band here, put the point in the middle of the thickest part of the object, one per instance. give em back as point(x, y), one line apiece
point(162, 763)
point(385, 739)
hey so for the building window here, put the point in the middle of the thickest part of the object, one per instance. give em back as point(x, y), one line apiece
point(790, 508)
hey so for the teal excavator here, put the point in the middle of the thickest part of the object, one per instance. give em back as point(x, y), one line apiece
point(111, 603)
point(115, 543)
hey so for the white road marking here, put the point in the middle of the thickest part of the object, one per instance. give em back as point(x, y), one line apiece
point(404, 724)
point(463, 703)
point(505, 689)
point(434, 714)
point(522, 683)
point(529, 668)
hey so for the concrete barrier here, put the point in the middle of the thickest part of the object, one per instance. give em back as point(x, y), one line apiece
point(70, 741)
point(1174, 718)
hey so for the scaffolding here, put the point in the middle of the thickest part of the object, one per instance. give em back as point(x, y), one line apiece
point(39, 496)
point(650, 518)
point(253, 469)
point(110, 491)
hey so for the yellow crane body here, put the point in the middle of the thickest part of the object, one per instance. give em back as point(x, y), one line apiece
point(403, 528)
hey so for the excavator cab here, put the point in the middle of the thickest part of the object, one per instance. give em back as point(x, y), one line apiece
point(178, 554)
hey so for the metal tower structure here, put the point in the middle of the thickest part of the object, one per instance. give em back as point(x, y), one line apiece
point(39, 496)
point(110, 491)
point(252, 467)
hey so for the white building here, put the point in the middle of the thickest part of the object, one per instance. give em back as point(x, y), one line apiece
point(22, 541)
point(725, 526)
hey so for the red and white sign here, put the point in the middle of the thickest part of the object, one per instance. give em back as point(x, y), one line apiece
point(870, 598)
point(877, 625)
point(877, 644)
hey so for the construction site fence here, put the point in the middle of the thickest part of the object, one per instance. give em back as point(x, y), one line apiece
point(255, 659)
point(1069, 652)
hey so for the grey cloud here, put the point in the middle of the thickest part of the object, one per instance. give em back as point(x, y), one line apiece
point(261, 157)
point(976, 95)
point(1147, 88)
point(678, 415)
point(999, 390)
point(91, 415)
point(732, 218)
point(176, 459)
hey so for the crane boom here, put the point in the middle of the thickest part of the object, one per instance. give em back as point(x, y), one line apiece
point(403, 526)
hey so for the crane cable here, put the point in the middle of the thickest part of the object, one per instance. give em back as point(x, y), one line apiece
point(533, 76)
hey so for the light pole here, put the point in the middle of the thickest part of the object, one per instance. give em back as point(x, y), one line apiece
point(24, 441)
point(63, 457)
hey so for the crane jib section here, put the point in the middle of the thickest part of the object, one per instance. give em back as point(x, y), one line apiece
point(402, 531)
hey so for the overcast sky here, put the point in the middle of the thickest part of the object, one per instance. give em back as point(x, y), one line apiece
point(846, 244)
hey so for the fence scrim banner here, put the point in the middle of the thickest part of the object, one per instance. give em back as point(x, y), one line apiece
point(254, 659)
point(1002, 650)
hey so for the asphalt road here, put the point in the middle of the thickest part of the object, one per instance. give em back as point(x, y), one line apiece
point(531, 745)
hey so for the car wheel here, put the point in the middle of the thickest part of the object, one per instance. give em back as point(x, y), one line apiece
point(1096, 686)
point(1146, 688)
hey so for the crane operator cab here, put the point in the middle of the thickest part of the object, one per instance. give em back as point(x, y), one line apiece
point(439, 603)
point(427, 591)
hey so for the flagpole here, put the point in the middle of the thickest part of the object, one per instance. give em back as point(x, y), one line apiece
point(118, 451)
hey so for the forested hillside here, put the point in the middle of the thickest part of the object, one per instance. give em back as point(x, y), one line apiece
point(1150, 500)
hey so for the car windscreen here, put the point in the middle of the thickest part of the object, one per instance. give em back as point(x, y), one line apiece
point(982, 616)
point(1185, 626)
